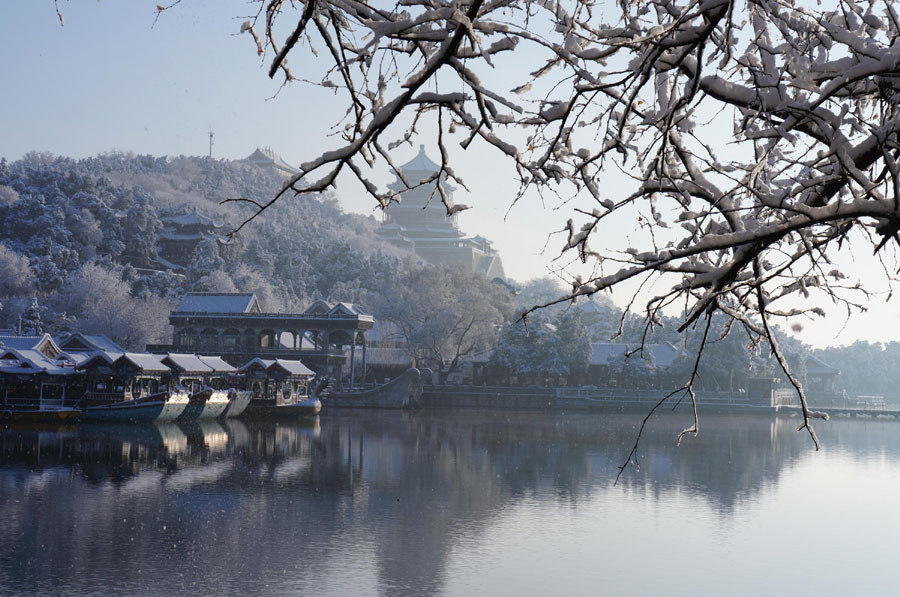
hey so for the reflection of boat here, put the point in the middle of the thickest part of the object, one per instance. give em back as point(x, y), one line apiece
point(238, 433)
point(402, 392)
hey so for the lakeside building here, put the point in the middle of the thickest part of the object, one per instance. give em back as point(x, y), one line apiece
point(232, 325)
point(420, 223)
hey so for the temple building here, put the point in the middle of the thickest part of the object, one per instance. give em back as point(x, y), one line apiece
point(265, 157)
point(180, 235)
point(420, 223)
point(326, 338)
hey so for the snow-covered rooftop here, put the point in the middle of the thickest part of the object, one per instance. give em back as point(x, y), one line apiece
point(212, 302)
point(145, 361)
point(79, 342)
point(186, 363)
point(420, 163)
point(217, 364)
point(604, 353)
point(191, 219)
point(293, 367)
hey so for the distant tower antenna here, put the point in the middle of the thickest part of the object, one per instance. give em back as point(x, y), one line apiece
point(210, 141)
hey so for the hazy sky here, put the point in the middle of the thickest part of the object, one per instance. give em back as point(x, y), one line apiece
point(108, 81)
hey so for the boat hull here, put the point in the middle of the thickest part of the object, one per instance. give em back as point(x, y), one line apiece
point(40, 415)
point(403, 392)
point(208, 404)
point(306, 408)
point(149, 410)
point(237, 404)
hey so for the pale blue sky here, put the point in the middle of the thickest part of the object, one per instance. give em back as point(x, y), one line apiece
point(108, 81)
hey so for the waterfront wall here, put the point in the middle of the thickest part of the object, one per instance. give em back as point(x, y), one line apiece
point(438, 397)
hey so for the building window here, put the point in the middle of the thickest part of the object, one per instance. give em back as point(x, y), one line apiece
point(231, 339)
point(187, 340)
point(209, 340)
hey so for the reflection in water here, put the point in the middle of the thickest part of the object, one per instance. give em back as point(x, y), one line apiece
point(369, 502)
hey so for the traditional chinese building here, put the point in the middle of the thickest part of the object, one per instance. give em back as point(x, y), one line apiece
point(234, 327)
point(180, 235)
point(265, 157)
point(420, 223)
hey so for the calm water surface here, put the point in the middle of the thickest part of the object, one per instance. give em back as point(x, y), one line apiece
point(457, 504)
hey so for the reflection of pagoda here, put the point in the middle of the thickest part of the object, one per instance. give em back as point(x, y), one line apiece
point(420, 223)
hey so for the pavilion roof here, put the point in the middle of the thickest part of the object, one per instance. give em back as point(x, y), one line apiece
point(214, 302)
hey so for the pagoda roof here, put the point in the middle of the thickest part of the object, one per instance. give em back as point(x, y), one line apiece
point(191, 219)
point(266, 156)
point(420, 163)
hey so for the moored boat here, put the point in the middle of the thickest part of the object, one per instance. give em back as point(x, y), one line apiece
point(204, 378)
point(134, 387)
point(279, 388)
point(237, 403)
point(34, 382)
point(158, 408)
point(403, 392)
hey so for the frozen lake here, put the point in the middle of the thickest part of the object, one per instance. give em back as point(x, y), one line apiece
point(456, 504)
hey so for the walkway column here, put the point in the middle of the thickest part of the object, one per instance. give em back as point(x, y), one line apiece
point(364, 359)
point(352, 360)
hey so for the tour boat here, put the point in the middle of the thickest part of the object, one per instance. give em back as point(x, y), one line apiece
point(165, 406)
point(206, 403)
point(279, 388)
point(403, 392)
point(133, 387)
point(237, 403)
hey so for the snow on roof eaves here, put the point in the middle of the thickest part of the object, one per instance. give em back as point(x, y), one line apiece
point(217, 364)
point(145, 361)
point(187, 363)
point(201, 302)
point(293, 367)
point(602, 353)
point(36, 361)
point(264, 363)
point(420, 163)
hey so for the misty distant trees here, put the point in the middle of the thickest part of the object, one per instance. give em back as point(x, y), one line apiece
point(446, 315)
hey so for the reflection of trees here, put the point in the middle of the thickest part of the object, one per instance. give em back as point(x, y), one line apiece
point(235, 506)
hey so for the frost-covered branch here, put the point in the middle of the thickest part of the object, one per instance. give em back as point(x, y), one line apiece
point(758, 137)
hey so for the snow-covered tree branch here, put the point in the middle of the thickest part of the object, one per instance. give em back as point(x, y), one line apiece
point(759, 136)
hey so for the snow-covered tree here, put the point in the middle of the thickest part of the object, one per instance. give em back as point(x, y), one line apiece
point(445, 314)
point(759, 137)
point(31, 319)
